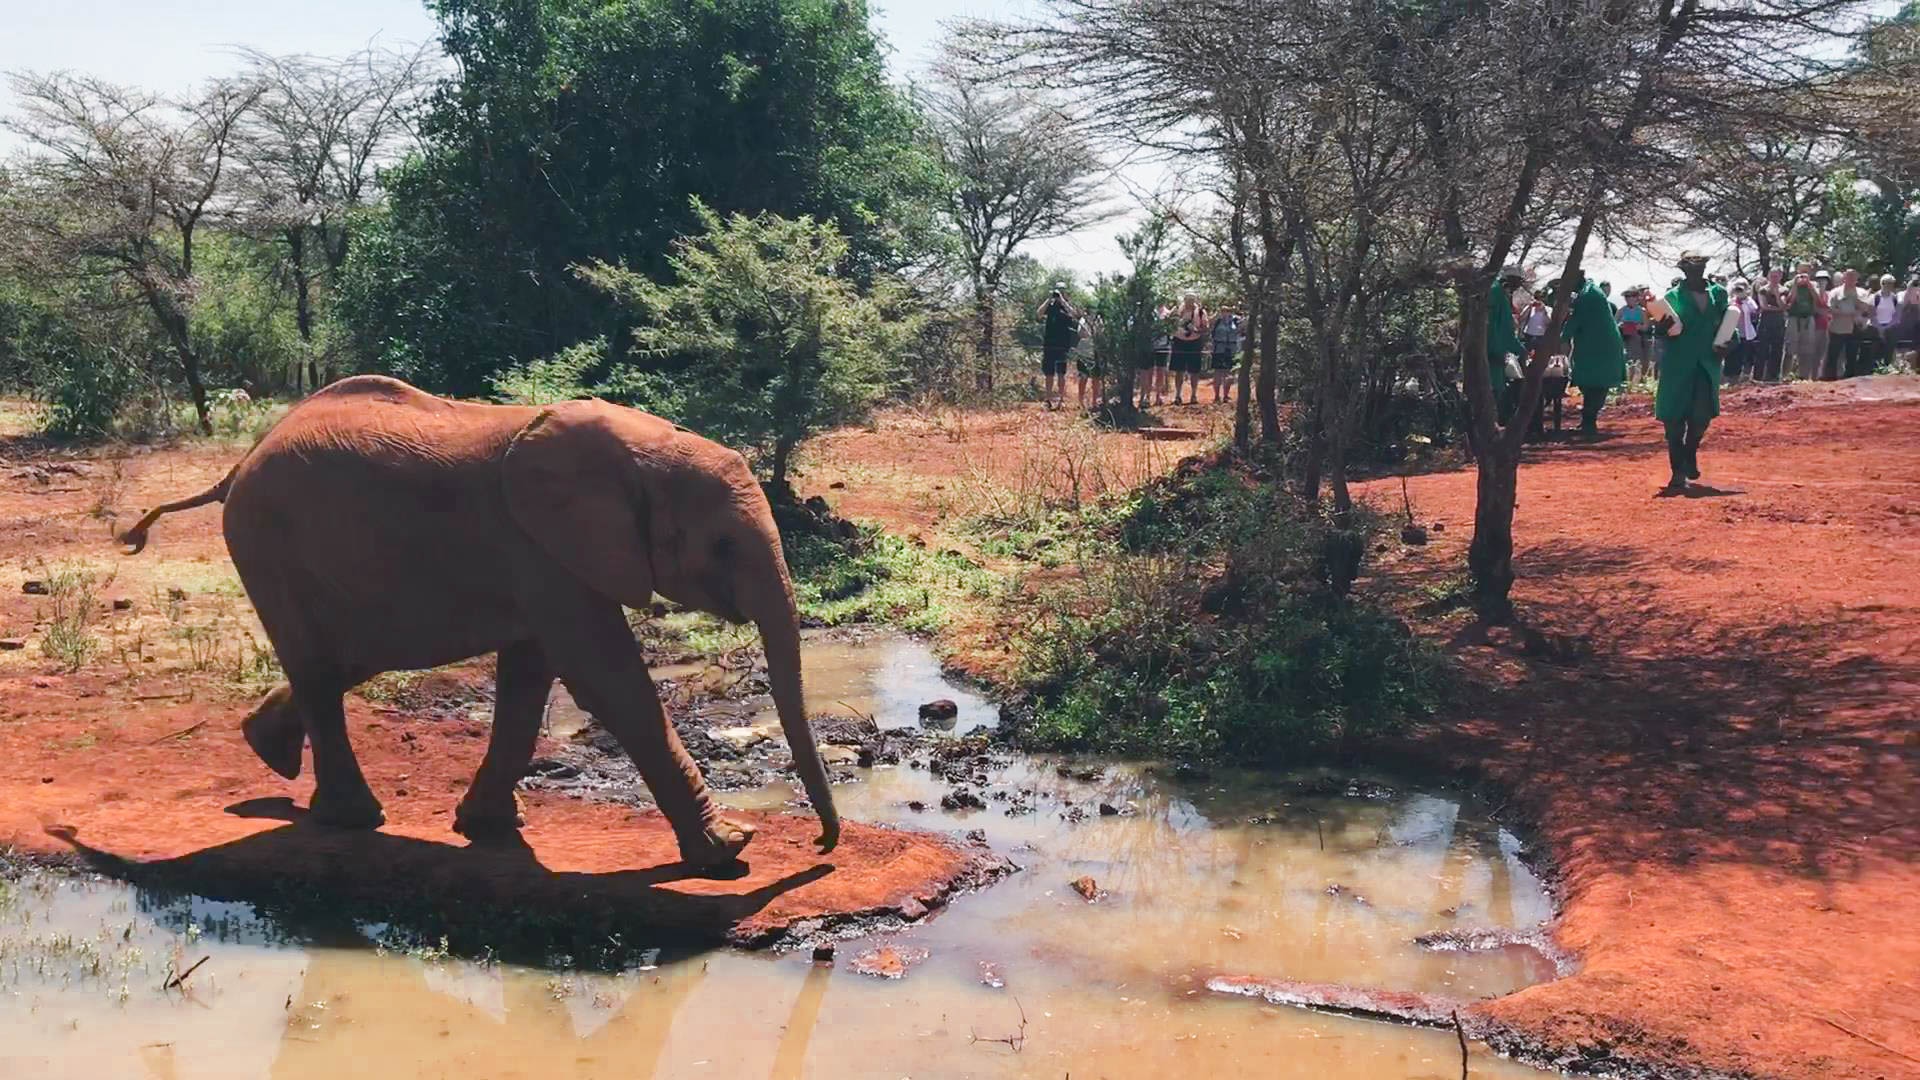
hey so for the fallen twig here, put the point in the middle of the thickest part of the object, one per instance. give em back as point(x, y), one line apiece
point(1014, 1041)
point(181, 734)
point(180, 980)
point(1870, 1041)
point(1321, 833)
point(1461, 1034)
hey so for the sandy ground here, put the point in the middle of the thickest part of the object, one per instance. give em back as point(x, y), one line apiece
point(1711, 716)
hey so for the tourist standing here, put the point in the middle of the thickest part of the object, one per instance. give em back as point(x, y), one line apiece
point(1156, 362)
point(1189, 342)
point(1060, 335)
point(1658, 311)
point(1533, 324)
point(1226, 345)
point(1771, 331)
point(1696, 330)
point(1847, 314)
point(1598, 353)
point(1743, 309)
point(1803, 305)
point(1634, 333)
point(1886, 318)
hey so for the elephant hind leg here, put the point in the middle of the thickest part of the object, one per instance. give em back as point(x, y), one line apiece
point(490, 808)
point(275, 731)
point(341, 797)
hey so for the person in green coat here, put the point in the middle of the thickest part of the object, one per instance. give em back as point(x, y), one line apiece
point(1502, 339)
point(1688, 398)
point(1599, 355)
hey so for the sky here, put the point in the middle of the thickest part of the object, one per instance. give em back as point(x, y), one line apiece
point(169, 45)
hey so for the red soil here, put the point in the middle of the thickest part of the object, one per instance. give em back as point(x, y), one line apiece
point(1710, 715)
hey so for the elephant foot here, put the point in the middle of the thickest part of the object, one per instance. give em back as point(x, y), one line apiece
point(357, 810)
point(481, 820)
point(274, 731)
point(719, 844)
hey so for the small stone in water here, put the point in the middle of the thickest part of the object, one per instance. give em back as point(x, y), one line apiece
point(990, 976)
point(1088, 888)
point(1109, 810)
point(823, 954)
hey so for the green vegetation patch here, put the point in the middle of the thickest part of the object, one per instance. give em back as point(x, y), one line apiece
point(1215, 623)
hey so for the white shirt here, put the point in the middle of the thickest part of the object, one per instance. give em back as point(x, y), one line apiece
point(1536, 321)
point(1886, 309)
point(1749, 309)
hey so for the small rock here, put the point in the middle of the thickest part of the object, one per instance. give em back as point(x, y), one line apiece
point(176, 594)
point(1438, 526)
point(939, 714)
point(123, 604)
point(840, 755)
point(11, 644)
point(1413, 535)
point(837, 485)
point(990, 976)
point(552, 769)
point(46, 779)
point(34, 588)
point(888, 961)
point(865, 758)
point(1109, 810)
point(823, 954)
point(977, 836)
point(741, 738)
point(962, 799)
point(402, 792)
point(916, 805)
point(1338, 890)
point(1088, 888)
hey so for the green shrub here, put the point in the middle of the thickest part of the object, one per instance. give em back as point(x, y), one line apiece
point(1218, 626)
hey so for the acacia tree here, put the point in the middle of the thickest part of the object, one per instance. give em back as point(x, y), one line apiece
point(312, 144)
point(1020, 170)
point(118, 185)
point(1756, 188)
point(778, 341)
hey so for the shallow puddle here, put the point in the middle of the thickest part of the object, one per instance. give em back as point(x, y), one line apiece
point(1305, 877)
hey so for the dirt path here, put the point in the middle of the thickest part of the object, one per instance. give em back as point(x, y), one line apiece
point(1712, 718)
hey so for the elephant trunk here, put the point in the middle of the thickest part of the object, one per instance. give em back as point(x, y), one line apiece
point(780, 635)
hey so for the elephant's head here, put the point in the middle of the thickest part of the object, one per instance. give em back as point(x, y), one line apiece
point(638, 507)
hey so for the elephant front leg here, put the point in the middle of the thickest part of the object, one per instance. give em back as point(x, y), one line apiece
point(602, 666)
point(490, 808)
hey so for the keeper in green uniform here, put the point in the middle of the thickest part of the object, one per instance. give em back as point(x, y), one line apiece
point(1502, 339)
point(1599, 354)
point(1697, 335)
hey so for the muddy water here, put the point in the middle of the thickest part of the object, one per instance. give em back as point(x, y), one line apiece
point(1304, 877)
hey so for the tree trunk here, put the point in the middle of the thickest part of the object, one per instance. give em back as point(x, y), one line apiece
point(1313, 458)
point(983, 303)
point(1490, 557)
point(782, 453)
point(179, 335)
point(1269, 376)
point(1243, 404)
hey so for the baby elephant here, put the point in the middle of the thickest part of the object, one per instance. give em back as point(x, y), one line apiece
point(379, 528)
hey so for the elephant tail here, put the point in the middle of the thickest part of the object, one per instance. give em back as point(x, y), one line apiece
point(136, 537)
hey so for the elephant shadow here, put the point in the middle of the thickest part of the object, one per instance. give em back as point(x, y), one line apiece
point(496, 899)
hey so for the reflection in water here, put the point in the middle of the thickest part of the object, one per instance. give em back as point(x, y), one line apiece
point(1240, 874)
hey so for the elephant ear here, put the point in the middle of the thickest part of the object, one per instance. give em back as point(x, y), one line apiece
point(572, 485)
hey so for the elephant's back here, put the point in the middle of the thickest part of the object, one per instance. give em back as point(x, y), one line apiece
point(370, 501)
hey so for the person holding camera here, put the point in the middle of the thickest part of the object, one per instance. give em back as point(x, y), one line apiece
point(1062, 333)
